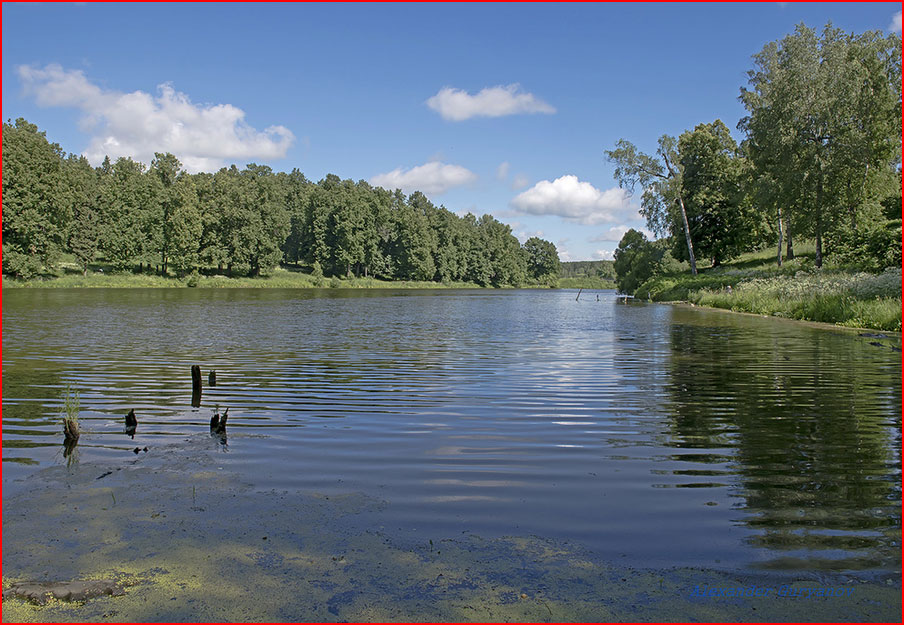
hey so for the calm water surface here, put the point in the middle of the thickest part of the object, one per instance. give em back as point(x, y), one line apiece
point(650, 434)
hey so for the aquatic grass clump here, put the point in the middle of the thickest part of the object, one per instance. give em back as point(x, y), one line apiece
point(69, 413)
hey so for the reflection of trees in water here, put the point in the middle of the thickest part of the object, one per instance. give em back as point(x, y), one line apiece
point(814, 423)
point(31, 408)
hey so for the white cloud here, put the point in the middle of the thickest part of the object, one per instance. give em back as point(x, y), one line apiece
point(895, 25)
point(615, 233)
point(137, 124)
point(519, 182)
point(576, 201)
point(502, 171)
point(604, 255)
point(458, 105)
point(434, 178)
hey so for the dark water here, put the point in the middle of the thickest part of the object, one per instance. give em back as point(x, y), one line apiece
point(650, 434)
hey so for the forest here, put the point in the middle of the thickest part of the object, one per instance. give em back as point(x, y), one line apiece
point(241, 222)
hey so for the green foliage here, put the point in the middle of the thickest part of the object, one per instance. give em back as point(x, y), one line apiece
point(720, 217)
point(129, 213)
point(604, 269)
point(36, 209)
point(542, 260)
point(872, 247)
point(16, 263)
point(824, 126)
point(83, 186)
point(317, 274)
point(240, 222)
point(636, 261)
point(856, 300)
point(585, 282)
point(660, 176)
point(193, 280)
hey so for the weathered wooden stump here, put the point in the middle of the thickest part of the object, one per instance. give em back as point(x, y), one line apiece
point(70, 430)
point(218, 423)
point(195, 386)
point(212, 378)
point(131, 423)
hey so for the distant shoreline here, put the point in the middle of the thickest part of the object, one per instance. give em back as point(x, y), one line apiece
point(279, 279)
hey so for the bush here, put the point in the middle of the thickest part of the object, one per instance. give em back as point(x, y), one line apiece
point(636, 261)
point(24, 266)
point(871, 247)
point(317, 274)
point(193, 280)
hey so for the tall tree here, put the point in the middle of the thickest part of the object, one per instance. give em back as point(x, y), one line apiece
point(129, 213)
point(184, 226)
point(542, 260)
point(661, 179)
point(415, 246)
point(84, 228)
point(36, 209)
point(636, 260)
point(718, 210)
point(824, 122)
point(297, 191)
point(166, 169)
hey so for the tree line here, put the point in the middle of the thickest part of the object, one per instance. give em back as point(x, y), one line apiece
point(587, 269)
point(241, 222)
point(821, 160)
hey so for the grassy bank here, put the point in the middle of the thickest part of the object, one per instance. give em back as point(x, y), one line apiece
point(797, 290)
point(280, 278)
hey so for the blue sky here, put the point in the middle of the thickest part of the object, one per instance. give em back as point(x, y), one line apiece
point(490, 108)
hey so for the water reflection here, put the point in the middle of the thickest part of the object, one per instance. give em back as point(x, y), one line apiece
point(663, 435)
point(812, 439)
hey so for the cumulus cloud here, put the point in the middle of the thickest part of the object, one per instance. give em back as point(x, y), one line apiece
point(895, 25)
point(204, 137)
point(458, 105)
point(574, 200)
point(434, 178)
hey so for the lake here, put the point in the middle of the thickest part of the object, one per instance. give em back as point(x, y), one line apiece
point(648, 435)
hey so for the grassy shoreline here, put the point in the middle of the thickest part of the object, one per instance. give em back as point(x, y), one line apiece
point(841, 296)
point(280, 278)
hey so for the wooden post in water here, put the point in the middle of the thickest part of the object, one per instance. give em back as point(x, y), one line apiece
point(212, 378)
point(579, 295)
point(195, 386)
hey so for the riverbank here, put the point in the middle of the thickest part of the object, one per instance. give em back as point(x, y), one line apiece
point(185, 540)
point(280, 278)
point(836, 295)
